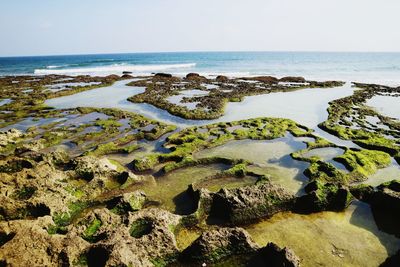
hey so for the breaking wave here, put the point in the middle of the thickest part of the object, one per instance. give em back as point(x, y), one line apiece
point(116, 68)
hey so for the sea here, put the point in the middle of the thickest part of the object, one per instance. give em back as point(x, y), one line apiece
point(382, 68)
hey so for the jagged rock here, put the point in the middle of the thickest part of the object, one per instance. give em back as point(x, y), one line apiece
point(33, 192)
point(202, 201)
point(30, 244)
point(9, 137)
point(15, 164)
point(56, 158)
point(87, 167)
point(362, 192)
point(225, 243)
point(131, 201)
point(322, 197)
point(34, 146)
point(247, 204)
point(95, 225)
point(272, 255)
point(215, 245)
point(146, 238)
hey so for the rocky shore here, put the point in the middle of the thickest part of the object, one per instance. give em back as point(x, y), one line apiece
point(77, 185)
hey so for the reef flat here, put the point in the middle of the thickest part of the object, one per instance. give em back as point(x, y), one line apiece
point(101, 186)
point(211, 95)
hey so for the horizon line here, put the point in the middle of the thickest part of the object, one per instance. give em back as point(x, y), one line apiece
point(200, 51)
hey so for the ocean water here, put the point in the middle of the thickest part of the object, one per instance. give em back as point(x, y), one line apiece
point(381, 68)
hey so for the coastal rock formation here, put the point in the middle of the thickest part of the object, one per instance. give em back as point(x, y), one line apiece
point(225, 243)
point(10, 137)
point(215, 245)
point(385, 204)
point(195, 77)
point(291, 79)
point(29, 244)
point(131, 201)
point(247, 204)
point(88, 208)
point(163, 75)
point(144, 239)
point(210, 105)
point(222, 79)
point(88, 167)
point(323, 197)
point(272, 255)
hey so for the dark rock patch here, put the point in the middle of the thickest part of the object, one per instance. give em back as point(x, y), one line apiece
point(4, 237)
point(393, 261)
point(97, 256)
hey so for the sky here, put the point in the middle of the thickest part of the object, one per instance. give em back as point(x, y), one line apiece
point(58, 27)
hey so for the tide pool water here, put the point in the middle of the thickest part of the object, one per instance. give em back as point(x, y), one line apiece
point(381, 68)
point(295, 105)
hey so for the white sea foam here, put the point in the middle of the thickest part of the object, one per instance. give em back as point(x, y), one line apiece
point(115, 68)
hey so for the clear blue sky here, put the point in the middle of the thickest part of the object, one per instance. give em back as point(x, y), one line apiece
point(43, 27)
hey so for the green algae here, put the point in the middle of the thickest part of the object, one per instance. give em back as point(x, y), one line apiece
point(349, 111)
point(92, 228)
point(188, 141)
point(25, 193)
point(63, 219)
point(364, 162)
point(111, 148)
point(210, 105)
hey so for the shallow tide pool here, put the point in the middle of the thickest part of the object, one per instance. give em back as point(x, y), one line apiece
point(386, 105)
point(296, 105)
point(392, 172)
point(169, 190)
point(349, 238)
point(270, 157)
